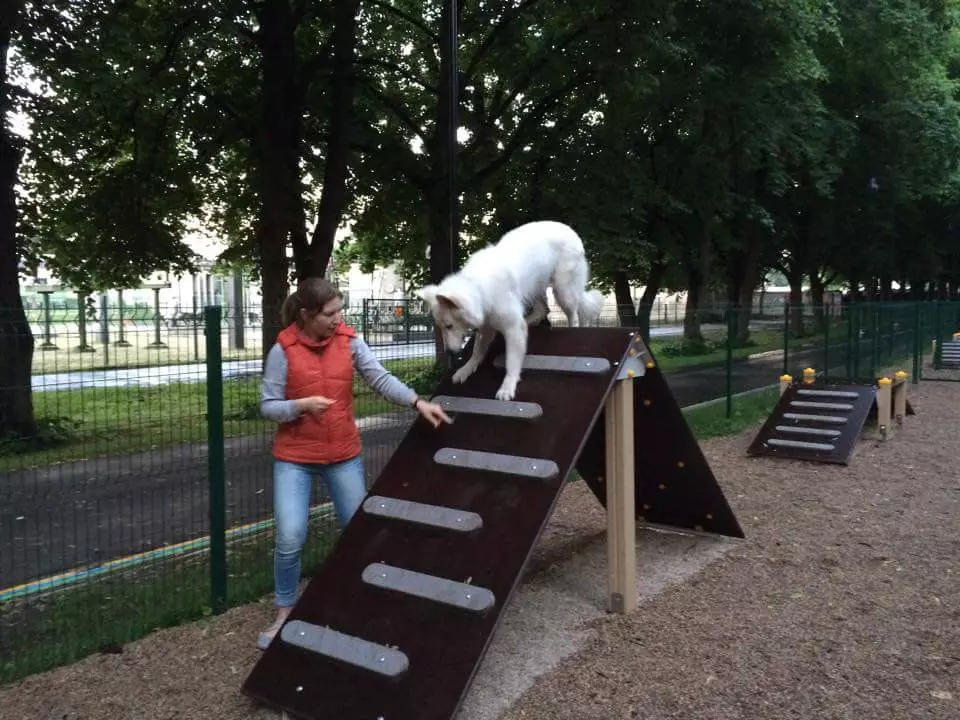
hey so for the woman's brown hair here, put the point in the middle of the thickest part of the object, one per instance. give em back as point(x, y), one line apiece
point(311, 295)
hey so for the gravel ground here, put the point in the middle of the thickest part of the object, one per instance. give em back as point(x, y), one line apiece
point(843, 602)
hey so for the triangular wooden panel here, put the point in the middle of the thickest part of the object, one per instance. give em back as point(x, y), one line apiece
point(819, 423)
point(397, 619)
point(675, 485)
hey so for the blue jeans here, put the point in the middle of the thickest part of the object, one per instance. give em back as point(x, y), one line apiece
point(292, 489)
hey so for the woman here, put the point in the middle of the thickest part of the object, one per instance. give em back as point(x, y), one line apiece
point(308, 390)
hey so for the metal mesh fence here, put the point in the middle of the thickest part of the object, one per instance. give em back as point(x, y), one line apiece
point(144, 495)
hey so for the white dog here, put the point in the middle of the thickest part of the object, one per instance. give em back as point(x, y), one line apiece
point(493, 290)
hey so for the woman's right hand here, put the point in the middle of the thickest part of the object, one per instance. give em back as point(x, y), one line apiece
point(315, 405)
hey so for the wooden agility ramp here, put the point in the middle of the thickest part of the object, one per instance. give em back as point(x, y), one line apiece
point(395, 623)
point(822, 422)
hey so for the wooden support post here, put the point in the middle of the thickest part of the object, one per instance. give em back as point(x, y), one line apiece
point(900, 396)
point(884, 406)
point(621, 507)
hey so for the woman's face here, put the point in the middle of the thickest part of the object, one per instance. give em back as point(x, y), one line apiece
point(320, 325)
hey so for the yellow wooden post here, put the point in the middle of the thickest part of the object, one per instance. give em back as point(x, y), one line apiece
point(785, 381)
point(900, 396)
point(884, 405)
point(621, 502)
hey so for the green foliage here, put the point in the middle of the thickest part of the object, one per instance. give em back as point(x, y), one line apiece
point(702, 143)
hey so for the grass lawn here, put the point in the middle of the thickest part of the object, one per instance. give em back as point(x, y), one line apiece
point(79, 424)
point(748, 410)
point(91, 422)
point(672, 354)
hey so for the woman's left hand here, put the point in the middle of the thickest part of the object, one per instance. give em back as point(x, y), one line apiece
point(433, 413)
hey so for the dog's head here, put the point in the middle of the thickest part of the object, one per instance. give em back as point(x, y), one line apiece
point(455, 310)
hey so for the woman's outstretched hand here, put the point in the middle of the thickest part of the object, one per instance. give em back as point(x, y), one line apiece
point(314, 405)
point(433, 413)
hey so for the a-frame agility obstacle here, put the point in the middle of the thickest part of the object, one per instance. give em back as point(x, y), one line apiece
point(823, 422)
point(396, 621)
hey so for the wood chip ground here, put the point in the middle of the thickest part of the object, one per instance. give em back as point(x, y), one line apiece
point(842, 603)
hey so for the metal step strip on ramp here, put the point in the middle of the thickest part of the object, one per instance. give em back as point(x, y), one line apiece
point(398, 578)
point(815, 422)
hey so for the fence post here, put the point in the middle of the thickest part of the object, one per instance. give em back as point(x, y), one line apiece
point(215, 461)
point(917, 343)
point(825, 314)
point(786, 336)
point(363, 321)
point(732, 312)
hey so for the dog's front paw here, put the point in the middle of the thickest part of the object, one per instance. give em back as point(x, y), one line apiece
point(507, 390)
point(463, 373)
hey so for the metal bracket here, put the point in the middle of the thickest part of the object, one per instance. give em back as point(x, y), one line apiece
point(560, 363)
point(484, 406)
point(496, 462)
point(832, 419)
point(829, 393)
point(634, 365)
point(347, 648)
point(422, 514)
point(429, 587)
point(799, 444)
point(820, 405)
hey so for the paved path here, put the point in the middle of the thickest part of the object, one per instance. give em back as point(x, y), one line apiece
point(78, 513)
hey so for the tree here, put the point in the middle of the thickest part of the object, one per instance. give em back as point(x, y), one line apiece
point(16, 337)
point(520, 65)
point(229, 114)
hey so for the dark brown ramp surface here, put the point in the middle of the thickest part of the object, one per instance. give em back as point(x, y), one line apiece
point(398, 618)
point(820, 423)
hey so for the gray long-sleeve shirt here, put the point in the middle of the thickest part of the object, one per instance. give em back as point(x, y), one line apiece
point(275, 406)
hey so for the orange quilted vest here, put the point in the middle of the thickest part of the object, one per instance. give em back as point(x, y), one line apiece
point(319, 368)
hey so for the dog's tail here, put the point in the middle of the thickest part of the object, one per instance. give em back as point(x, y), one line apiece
point(591, 303)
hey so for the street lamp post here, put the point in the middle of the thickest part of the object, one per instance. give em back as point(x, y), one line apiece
point(453, 92)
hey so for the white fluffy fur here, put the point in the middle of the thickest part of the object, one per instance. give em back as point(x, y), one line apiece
point(493, 290)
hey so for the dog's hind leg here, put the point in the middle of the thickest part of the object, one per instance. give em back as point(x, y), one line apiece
point(516, 349)
point(569, 302)
point(539, 312)
point(481, 345)
point(569, 279)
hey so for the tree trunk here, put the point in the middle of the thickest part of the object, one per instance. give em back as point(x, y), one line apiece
point(817, 291)
point(277, 172)
point(743, 271)
point(626, 312)
point(886, 288)
point(650, 291)
point(691, 314)
point(439, 258)
point(744, 313)
point(796, 303)
point(918, 290)
point(16, 337)
point(333, 199)
point(697, 269)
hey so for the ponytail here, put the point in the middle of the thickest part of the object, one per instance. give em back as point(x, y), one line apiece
point(290, 310)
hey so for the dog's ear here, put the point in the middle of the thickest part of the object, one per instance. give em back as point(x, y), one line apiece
point(448, 301)
point(428, 294)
